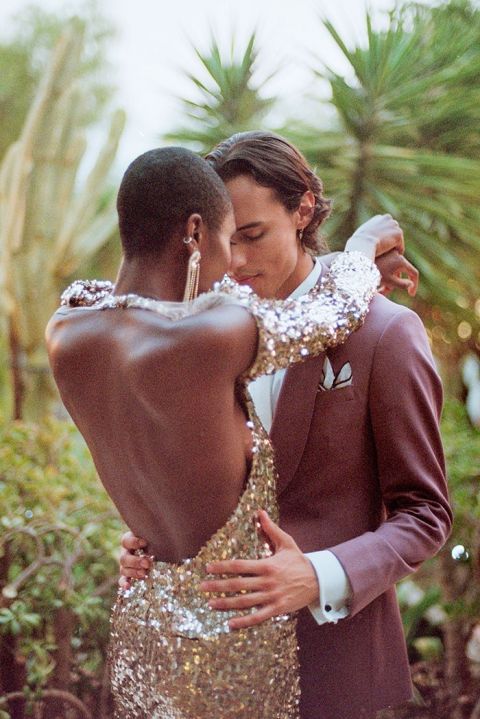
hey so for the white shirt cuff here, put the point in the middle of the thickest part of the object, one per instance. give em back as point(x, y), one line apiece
point(334, 588)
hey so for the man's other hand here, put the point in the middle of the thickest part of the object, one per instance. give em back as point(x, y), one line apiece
point(132, 566)
point(284, 582)
point(397, 273)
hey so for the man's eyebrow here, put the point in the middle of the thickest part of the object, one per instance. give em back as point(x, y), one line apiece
point(248, 226)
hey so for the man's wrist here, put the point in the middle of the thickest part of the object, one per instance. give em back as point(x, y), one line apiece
point(312, 590)
point(334, 589)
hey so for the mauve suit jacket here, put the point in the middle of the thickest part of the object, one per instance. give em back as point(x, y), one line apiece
point(361, 472)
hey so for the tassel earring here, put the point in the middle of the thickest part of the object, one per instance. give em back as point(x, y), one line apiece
point(193, 274)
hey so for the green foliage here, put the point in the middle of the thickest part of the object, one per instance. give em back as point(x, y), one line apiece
point(444, 596)
point(229, 99)
point(59, 540)
point(25, 51)
point(406, 140)
point(458, 578)
point(462, 451)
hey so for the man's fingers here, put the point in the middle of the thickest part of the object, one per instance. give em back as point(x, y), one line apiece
point(410, 282)
point(132, 561)
point(123, 583)
point(131, 542)
point(234, 584)
point(413, 275)
point(250, 620)
point(237, 566)
point(400, 240)
point(402, 283)
point(133, 573)
point(244, 601)
point(398, 272)
point(277, 536)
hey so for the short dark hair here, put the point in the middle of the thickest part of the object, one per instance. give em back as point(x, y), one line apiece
point(158, 193)
point(274, 162)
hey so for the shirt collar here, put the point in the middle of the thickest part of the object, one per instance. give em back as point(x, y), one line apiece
point(309, 282)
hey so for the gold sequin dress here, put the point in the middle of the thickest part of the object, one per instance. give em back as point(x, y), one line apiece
point(171, 656)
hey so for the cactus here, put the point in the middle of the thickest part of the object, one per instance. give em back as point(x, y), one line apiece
point(49, 225)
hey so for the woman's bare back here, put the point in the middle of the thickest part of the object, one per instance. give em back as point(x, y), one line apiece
point(166, 431)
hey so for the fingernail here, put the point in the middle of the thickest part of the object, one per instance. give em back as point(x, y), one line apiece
point(145, 563)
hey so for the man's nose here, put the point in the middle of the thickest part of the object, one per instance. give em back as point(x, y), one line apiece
point(239, 258)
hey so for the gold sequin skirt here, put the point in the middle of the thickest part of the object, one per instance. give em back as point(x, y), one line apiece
point(172, 657)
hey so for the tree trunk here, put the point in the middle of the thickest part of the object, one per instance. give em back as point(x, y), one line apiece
point(64, 626)
point(16, 364)
point(12, 666)
point(358, 187)
point(455, 633)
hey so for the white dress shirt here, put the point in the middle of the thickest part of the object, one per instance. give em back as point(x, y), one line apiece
point(334, 587)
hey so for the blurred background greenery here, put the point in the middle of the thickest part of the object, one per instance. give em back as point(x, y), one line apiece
point(398, 132)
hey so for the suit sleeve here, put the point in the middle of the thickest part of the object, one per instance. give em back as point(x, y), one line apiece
point(405, 399)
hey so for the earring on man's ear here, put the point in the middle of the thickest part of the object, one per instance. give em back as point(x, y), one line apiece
point(300, 234)
point(193, 273)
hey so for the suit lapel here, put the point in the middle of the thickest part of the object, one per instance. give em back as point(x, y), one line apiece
point(293, 417)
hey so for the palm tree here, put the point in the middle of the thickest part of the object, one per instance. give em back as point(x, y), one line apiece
point(229, 99)
point(407, 141)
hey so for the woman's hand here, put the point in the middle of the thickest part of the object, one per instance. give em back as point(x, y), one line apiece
point(377, 236)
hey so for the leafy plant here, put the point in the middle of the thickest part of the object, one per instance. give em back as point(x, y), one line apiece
point(229, 100)
point(406, 140)
point(58, 543)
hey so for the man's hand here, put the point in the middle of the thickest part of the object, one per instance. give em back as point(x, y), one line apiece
point(131, 565)
point(397, 272)
point(282, 583)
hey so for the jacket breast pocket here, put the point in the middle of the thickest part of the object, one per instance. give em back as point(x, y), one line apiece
point(326, 398)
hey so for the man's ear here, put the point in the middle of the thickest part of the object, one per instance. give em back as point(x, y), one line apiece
point(306, 209)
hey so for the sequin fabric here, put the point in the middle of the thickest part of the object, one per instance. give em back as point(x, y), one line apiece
point(171, 656)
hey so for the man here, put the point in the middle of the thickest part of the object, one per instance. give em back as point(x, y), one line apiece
point(361, 476)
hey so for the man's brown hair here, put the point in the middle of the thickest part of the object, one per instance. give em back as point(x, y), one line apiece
point(274, 162)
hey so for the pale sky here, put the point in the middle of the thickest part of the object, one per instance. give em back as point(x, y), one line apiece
point(153, 47)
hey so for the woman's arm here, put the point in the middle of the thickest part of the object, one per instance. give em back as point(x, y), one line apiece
point(291, 330)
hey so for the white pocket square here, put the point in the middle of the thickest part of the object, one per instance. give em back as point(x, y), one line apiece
point(331, 381)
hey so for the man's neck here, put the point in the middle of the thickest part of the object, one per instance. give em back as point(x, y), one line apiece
point(302, 269)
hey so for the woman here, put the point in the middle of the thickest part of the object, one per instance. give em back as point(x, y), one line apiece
point(158, 388)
